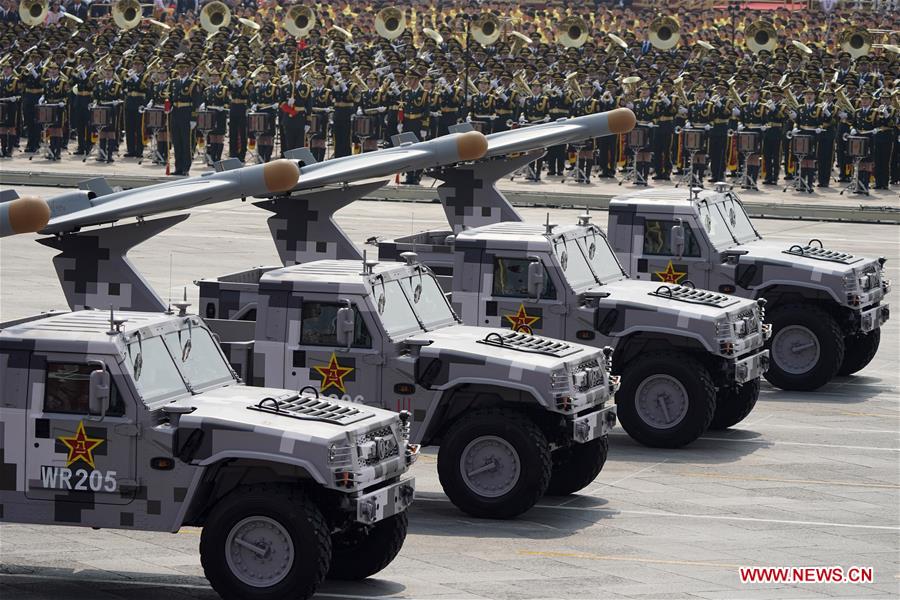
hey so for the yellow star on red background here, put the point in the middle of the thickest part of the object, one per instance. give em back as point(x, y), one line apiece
point(521, 318)
point(670, 275)
point(80, 446)
point(333, 375)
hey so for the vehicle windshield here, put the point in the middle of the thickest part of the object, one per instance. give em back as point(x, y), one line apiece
point(601, 257)
point(573, 264)
point(394, 309)
point(198, 358)
point(153, 371)
point(739, 223)
point(428, 301)
point(715, 226)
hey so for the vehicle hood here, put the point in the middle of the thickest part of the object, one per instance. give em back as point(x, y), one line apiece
point(653, 296)
point(802, 256)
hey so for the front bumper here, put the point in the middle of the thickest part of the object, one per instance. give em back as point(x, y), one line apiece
point(593, 425)
point(751, 367)
point(872, 319)
point(385, 502)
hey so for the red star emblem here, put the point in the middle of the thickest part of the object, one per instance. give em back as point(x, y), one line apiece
point(333, 375)
point(81, 447)
point(521, 319)
point(670, 275)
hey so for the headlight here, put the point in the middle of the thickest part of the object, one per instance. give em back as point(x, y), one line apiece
point(851, 281)
point(581, 379)
point(340, 455)
point(723, 328)
point(740, 327)
point(560, 382)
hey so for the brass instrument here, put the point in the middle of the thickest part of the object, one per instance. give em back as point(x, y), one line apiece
point(346, 34)
point(519, 41)
point(572, 84)
point(33, 12)
point(473, 89)
point(629, 84)
point(572, 32)
point(354, 74)
point(127, 14)
point(734, 96)
point(433, 35)
point(761, 35)
point(842, 101)
point(521, 83)
point(486, 29)
point(618, 41)
point(160, 24)
point(790, 100)
point(214, 15)
point(802, 47)
point(664, 32)
point(390, 22)
point(298, 21)
point(856, 41)
point(678, 87)
point(705, 45)
point(248, 27)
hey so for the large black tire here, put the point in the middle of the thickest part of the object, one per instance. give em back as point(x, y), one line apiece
point(734, 404)
point(695, 404)
point(576, 466)
point(512, 442)
point(859, 350)
point(293, 511)
point(363, 551)
point(792, 325)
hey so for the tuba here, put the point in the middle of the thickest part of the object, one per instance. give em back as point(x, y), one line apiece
point(33, 12)
point(390, 22)
point(629, 84)
point(664, 32)
point(519, 42)
point(299, 20)
point(486, 29)
point(857, 41)
point(214, 15)
point(248, 26)
point(433, 35)
point(761, 35)
point(127, 14)
point(572, 32)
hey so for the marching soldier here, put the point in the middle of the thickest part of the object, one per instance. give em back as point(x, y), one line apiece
point(754, 116)
point(414, 101)
point(135, 89)
point(607, 146)
point(702, 114)
point(662, 144)
point(33, 89)
point(483, 106)
point(215, 99)
point(239, 95)
point(265, 97)
point(158, 95)
point(371, 104)
point(825, 150)
point(184, 97)
point(504, 103)
point(883, 140)
point(107, 94)
point(646, 109)
point(535, 109)
point(450, 99)
point(810, 119)
point(586, 105)
point(293, 114)
point(320, 106)
point(865, 123)
point(56, 93)
point(344, 97)
point(10, 95)
point(718, 135)
point(772, 136)
point(560, 106)
point(82, 79)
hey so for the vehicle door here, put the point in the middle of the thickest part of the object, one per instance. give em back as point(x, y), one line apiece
point(74, 456)
point(658, 259)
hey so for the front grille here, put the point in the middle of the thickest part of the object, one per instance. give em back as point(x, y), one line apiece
point(594, 375)
point(524, 342)
point(387, 435)
point(820, 253)
point(311, 408)
point(751, 319)
point(694, 296)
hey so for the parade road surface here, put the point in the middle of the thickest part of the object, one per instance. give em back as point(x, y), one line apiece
point(808, 480)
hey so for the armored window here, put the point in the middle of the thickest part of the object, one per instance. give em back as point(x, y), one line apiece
point(658, 242)
point(511, 279)
point(67, 390)
point(318, 326)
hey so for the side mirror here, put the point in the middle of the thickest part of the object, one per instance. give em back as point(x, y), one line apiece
point(677, 240)
point(98, 396)
point(535, 278)
point(346, 324)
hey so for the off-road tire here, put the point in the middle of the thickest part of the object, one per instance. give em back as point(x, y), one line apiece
point(576, 466)
point(364, 551)
point(697, 383)
point(830, 340)
point(859, 350)
point(296, 513)
point(734, 404)
point(527, 440)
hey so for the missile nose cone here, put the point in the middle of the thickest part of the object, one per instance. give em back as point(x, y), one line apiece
point(281, 175)
point(621, 120)
point(471, 145)
point(23, 215)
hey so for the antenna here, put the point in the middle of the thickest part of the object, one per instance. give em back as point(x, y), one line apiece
point(183, 305)
point(115, 325)
point(169, 306)
point(548, 226)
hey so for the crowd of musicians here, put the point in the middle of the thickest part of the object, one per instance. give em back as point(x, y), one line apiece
point(811, 97)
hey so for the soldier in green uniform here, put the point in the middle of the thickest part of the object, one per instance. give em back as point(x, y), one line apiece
point(108, 93)
point(265, 97)
point(344, 96)
point(56, 93)
point(294, 113)
point(753, 116)
point(157, 96)
point(82, 79)
point(560, 105)
point(483, 106)
point(414, 102)
point(535, 109)
point(134, 86)
point(239, 95)
point(215, 99)
point(586, 105)
point(184, 98)
point(809, 119)
point(10, 96)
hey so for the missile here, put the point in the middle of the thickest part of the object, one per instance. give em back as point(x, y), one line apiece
point(23, 215)
point(76, 209)
point(563, 131)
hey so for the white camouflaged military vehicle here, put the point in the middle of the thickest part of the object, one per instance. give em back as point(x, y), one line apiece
point(138, 422)
point(825, 306)
point(515, 415)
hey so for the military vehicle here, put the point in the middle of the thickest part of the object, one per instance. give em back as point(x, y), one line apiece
point(826, 307)
point(515, 415)
point(136, 421)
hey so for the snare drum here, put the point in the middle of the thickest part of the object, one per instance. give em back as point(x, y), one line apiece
point(748, 142)
point(639, 137)
point(479, 126)
point(363, 126)
point(154, 118)
point(694, 139)
point(5, 113)
point(102, 116)
point(857, 146)
point(206, 120)
point(802, 145)
point(317, 123)
point(259, 122)
point(47, 114)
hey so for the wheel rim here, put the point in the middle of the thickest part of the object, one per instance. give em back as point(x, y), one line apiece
point(490, 466)
point(259, 551)
point(661, 401)
point(795, 349)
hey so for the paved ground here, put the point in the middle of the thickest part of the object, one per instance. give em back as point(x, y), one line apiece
point(806, 480)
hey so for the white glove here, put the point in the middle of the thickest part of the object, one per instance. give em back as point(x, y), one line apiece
point(253, 107)
point(630, 105)
point(150, 104)
point(399, 127)
point(819, 130)
point(193, 125)
point(290, 101)
point(546, 119)
point(853, 131)
point(306, 129)
point(793, 115)
point(468, 118)
point(682, 110)
point(826, 112)
point(381, 109)
point(876, 129)
point(735, 112)
point(359, 111)
point(202, 106)
point(41, 100)
point(764, 127)
point(597, 86)
point(707, 127)
point(423, 133)
point(740, 126)
point(492, 117)
point(503, 96)
point(842, 115)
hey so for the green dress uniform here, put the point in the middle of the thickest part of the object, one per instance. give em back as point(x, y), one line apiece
point(535, 109)
point(239, 96)
point(215, 97)
point(134, 87)
point(10, 98)
point(560, 106)
point(80, 108)
point(320, 103)
point(294, 118)
point(108, 93)
point(32, 90)
point(184, 96)
point(810, 117)
point(56, 91)
point(415, 113)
